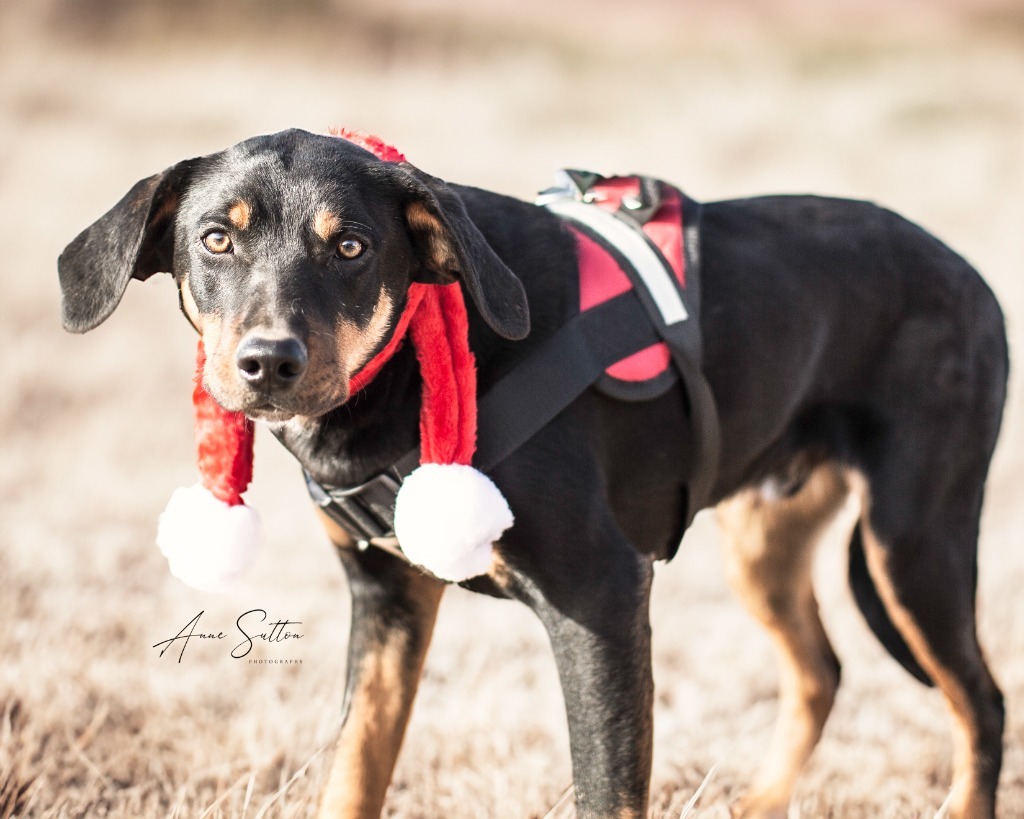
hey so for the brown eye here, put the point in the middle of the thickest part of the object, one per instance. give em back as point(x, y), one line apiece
point(350, 248)
point(217, 242)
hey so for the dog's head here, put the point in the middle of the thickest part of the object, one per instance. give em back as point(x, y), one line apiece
point(293, 254)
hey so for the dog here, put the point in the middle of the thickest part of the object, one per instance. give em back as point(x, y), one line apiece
point(847, 350)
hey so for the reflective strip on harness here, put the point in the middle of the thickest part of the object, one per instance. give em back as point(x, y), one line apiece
point(635, 248)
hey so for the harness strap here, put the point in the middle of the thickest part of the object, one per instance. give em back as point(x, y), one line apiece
point(574, 358)
point(530, 396)
point(673, 309)
point(642, 256)
point(512, 411)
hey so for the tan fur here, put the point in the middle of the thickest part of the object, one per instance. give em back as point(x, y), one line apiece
point(325, 223)
point(354, 345)
point(221, 340)
point(219, 372)
point(969, 800)
point(338, 536)
point(499, 571)
point(769, 550)
point(425, 225)
point(378, 714)
point(240, 214)
point(188, 304)
point(335, 353)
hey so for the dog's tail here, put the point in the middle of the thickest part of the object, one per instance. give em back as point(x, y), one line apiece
point(873, 609)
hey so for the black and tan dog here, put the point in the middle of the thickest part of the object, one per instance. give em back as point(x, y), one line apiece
point(847, 349)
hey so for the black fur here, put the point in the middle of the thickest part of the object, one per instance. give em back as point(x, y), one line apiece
point(833, 331)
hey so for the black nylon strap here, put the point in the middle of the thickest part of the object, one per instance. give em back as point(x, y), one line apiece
point(683, 339)
point(552, 377)
point(513, 410)
point(556, 374)
point(529, 397)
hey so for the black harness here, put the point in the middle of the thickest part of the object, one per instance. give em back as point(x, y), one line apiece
point(573, 359)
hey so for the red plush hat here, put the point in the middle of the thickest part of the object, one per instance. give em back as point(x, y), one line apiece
point(447, 514)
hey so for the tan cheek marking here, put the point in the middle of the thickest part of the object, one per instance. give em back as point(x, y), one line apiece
point(189, 305)
point(220, 341)
point(355, 345)
point(325, 224)
point(240, 214)
point(212, 330)
point(426, 226)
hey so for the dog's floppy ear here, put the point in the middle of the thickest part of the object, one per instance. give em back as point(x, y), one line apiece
point(134, 239)
point(452, 247)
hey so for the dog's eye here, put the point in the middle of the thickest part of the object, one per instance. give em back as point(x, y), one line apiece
point(350, 248)
point(217, 242)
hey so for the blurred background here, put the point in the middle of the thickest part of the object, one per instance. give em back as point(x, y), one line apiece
point(917, 105)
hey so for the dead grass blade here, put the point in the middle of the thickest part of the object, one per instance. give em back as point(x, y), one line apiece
point(93, 728)
point(13, 792)
point(562, 801)
point(248, 794)
point(213, 806)
point(281, 791)
point(84, 759)
point(178, 803)
point(943, 811)
point(692, 803)
point(756, 715)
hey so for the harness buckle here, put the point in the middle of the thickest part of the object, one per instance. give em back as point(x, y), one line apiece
point(585, 186)
point(366, 512)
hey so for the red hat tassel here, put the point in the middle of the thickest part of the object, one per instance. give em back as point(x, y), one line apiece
point(207, 533)
point(448, 514)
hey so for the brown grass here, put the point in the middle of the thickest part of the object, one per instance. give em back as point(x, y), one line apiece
point(921, 109)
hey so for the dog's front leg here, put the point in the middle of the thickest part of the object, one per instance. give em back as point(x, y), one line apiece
point(597, 618)
point(394, 607)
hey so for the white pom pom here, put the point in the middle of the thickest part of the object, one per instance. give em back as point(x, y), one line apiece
point(446, 518)
point(208, 543)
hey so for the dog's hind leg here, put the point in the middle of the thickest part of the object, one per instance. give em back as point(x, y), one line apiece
point(938, 397)
point(768, 544)
point(394, 607)
point(923, 564)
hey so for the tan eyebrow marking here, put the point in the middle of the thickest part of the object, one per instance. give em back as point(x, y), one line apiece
point(240, 214)
point(325, 223)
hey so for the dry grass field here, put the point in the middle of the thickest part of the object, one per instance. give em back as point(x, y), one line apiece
point(920, 108)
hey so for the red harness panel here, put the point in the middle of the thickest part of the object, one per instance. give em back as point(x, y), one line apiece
point(602, 278)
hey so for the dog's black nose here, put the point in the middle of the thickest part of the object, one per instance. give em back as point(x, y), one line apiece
point(271, 363)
